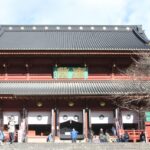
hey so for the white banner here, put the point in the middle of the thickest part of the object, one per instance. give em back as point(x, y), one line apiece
point(102, 117)
point(65, 116)
point(129, 117)
point(8, 114)
point(39, 117)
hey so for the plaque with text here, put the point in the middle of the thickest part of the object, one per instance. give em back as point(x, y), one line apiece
point(70, 72)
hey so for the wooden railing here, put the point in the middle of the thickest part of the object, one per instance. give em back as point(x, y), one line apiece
point(134, 135)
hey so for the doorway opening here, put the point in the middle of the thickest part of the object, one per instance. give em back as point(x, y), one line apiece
point(40, 130)
point(66, 128)
point(133, 126)
point(106, 127)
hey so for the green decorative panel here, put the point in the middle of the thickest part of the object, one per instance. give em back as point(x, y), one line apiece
point(147, 115)
point(70, 72)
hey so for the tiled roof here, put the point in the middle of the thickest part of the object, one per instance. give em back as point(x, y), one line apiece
point(73, 87)
point(75, 37)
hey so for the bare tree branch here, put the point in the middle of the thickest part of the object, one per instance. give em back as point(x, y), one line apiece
point(138, 72)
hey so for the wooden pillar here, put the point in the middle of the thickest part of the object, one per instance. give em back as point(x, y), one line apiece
point(141, 116)
point(27, 71)
point(113, 71)
point(57, 133)
point(53, 123)
point(25, 111)
point(89, 118)
point(85, 123)
point(5, 70)
point(1, 117)
point(22, 132)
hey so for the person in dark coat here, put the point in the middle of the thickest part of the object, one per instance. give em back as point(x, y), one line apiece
point(142, 137)
point(126, 137)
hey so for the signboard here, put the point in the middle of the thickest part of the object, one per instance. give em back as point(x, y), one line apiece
point(70, 72)
point(147, 116)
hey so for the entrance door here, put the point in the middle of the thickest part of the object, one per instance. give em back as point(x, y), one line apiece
point(68, 121)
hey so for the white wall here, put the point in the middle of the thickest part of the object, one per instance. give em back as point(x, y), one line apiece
point(39, 117)
point(7, 114)
point(70, 115)
point(108, 117)
point(129, 117)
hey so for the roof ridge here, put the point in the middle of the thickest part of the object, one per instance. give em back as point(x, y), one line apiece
point(69, 27)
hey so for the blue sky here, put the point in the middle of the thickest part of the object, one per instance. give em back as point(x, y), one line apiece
point(97, 12)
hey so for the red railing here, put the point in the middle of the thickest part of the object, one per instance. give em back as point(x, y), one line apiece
point(134, 135)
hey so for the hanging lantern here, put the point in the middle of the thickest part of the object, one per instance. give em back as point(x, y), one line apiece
point(102, 104)
point(71, 104)
point(39, 104)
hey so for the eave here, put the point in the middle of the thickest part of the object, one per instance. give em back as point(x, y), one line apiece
point(74, 52)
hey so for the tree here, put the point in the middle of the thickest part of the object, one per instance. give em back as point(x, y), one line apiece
point(139, 74)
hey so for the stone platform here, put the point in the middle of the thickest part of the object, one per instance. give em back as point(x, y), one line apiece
point(77, 146)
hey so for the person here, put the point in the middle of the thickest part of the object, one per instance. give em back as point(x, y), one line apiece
point(50, 137)
point(74, 135)
point(11, 129)
point(113, 129)
point(126, 137)
point(102, 137)
point(1, 137)
point(107, 137)
point(120, 138)
point(90, 136)
point(142, 137)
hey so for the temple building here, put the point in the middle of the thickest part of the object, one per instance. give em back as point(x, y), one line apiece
point(54, 78)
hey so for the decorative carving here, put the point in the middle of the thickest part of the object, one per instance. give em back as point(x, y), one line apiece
point(39, 117)
point(65, 117)
point(76, 117)
point(101, 117)
point(128, 116)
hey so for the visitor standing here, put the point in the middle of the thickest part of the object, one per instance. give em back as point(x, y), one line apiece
point(102, 137)
point(90, 136)
point(1, 136)
point(113, 129)
point(11, 129)
point(50, 137)
point(74, 135)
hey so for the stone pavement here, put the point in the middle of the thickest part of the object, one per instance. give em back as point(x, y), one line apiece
point(77, 146)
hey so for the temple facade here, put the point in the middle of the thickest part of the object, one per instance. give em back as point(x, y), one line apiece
point(56, 78)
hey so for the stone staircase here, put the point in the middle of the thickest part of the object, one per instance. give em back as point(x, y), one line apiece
point(77, 146)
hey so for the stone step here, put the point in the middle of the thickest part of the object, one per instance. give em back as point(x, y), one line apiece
point(76, 146)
